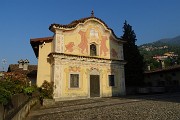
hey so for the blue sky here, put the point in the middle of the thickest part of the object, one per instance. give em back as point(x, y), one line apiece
point(25, 19)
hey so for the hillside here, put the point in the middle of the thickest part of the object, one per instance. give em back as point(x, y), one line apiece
point(171, 41)
point(162, 45)
point(167, 41)
point(160, 48)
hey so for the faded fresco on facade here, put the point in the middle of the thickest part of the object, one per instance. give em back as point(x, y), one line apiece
point(78, 41)
point(103, 46)
point(83, 45)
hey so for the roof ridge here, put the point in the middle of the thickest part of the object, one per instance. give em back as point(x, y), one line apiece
point(74, 23)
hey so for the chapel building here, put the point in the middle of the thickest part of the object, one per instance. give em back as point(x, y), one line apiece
point(83, 59)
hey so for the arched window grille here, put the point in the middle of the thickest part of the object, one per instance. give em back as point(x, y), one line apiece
point(93, 50)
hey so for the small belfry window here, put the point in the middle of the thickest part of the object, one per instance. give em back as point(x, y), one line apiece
point(74, 80)
point(93, 50)
point(111, 80)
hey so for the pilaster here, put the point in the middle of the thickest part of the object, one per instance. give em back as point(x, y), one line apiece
point(59, 41)
point(122, 81)
point(121, 52)
point(57, 78)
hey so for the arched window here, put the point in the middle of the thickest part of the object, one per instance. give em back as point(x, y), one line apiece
point(93, 50)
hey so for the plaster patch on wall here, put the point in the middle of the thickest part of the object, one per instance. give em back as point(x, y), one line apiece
point(74, 69)
point(114, 53)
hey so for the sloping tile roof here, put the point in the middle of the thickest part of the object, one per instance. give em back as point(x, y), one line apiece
point(41, 39)
point(171, 68)
point(35, 42)
point(76, 22)
point(32, 70)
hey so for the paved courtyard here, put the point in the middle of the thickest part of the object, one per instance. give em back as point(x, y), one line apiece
point(142, 107)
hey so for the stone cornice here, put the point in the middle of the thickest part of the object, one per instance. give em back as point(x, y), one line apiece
point(86, 58)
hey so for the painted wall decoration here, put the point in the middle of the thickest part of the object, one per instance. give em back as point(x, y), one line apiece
point(93, 34)
point(103, 47)
point(84, 43)
point(74, 69)
point(69, 47)
point(115, 49)
point(114, 53)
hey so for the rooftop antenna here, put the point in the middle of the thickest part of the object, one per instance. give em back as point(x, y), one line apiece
point(4, 62)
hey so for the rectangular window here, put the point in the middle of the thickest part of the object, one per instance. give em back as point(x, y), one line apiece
point(74, 80)
point(111, 80)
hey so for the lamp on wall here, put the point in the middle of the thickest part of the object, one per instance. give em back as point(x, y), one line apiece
point(44, 43)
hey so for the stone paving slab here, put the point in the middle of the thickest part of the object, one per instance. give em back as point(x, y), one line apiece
point(150, 107)
point(95, 104)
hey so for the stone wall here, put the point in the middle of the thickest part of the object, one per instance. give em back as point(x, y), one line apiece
point(17, 103)
point(23, 112)
point(1, 112)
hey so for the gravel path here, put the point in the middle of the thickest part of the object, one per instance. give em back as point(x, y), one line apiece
point(147, 107)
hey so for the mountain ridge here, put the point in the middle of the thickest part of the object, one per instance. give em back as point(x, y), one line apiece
point(175, 41)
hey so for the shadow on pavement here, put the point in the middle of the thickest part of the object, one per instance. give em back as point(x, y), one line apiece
point(166, 97)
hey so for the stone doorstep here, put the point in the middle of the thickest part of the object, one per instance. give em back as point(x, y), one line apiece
point(81, 107)
point(48, 102)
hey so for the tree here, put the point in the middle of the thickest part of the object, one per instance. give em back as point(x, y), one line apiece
point(134, 68)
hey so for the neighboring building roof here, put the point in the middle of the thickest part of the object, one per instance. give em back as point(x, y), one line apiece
point(171, 68)
point(32, 70)
point(36, 41)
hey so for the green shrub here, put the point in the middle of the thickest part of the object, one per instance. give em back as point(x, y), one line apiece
point(5, 96)
point(29, 90)
point(9, 87)
point(14, 86)
point(46, 90)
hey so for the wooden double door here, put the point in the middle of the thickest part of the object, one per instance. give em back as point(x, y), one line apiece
point(94, 86)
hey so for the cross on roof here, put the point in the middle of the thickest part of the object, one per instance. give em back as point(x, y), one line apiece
point(92, 13)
